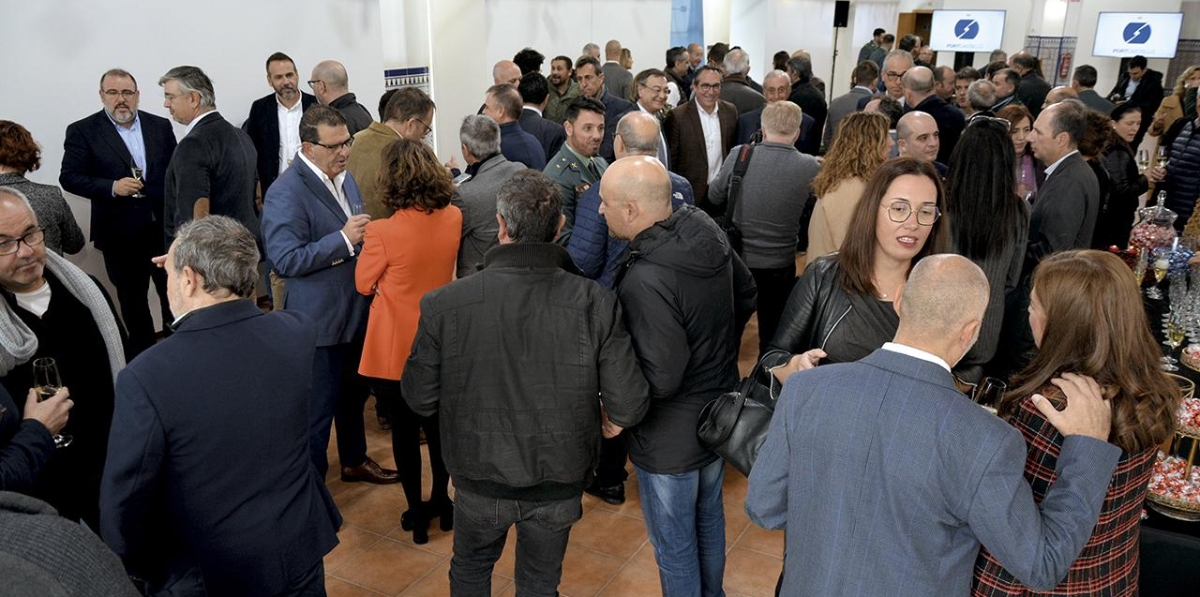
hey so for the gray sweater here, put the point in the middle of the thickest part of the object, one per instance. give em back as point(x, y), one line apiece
point(773, 192)
point(53, 213)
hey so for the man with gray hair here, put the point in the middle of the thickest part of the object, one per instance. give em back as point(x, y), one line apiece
point(919, 96)
point(894, 490)
point(506, 72)
point(810, 99)
point(895, 65)
point(590, 49)
point(502, 103)
point(981, 94)
point(548, 368)
point(476, 197)
point(213, 168)
point(735, 88)
point(331, 84)
point(213, 418)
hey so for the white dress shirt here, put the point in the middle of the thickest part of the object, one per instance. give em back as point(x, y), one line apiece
point(191, 125)
point(711, 124)
point(289, 132)
point(1052, 167)
point(916, 353)
point(335, 187)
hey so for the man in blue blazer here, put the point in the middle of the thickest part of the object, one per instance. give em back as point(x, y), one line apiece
point(313, 224)
point(208, 487)
point(888, 479)
point(503, 105)
point(99, 155)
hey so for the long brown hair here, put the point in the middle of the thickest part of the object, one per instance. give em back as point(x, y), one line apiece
point(855, 152)
point(1096, 326)
point(411, 177)
point(857, 254)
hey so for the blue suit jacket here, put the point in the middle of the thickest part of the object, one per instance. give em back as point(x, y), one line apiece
point(594, 251)
point(520, 146)
point(551, 135)
point(302, 230)
point(888, 480)
point(208, 461)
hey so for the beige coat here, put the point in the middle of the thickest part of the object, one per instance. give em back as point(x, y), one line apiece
point(831, 217)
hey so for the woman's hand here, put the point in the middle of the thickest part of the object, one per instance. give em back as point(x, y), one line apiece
point(798, 362)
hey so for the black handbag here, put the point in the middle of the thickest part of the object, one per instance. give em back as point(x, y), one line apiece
point(735, 424)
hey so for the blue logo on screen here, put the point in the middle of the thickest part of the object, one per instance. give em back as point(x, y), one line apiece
point(966, 29)
point(1136, 33)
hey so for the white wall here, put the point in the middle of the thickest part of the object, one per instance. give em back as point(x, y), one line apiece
point(65, 45)
point(1191, 19)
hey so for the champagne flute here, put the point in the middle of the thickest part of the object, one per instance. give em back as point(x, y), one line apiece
point(1162, 156)
point(1143, 160)
point(47, 382)
point(1162, 261)
point(1139, 270)
point(137, 175)
point(988, 393)
point(1175, 333)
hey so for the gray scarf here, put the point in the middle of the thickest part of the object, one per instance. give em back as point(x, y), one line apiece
point(18, 344)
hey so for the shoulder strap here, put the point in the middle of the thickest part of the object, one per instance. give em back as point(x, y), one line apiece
point(735, 182)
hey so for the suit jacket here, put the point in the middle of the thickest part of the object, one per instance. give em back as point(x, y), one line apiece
point(94, 156)
point(614, 109)
point(749, 129)
point(519, 146)
point(25, 446)
point(927, 479)
point(685, 143)
point(1032, 91)
point(811, 102)
point(208, 462)
point(549, 134)
point(1064, 212)
point(302, 231)
point(366, 158)
point(215, 160)
point(950, 122)
point(476, 198)
point(617, 78)
point(841, 107)
point(1091, 99)
point(737, 91)
point(1149, 92)
point(263, 128)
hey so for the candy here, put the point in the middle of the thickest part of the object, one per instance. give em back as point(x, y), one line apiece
point(1167, 479)
point(1189, 416)
point(1149, 236)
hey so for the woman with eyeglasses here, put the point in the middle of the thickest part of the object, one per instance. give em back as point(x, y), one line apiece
point(1031, 173)
point(1126, 183)
point(859, 147)
point(403, 257)
point(19, 155)
point(1087, 318)
point(842, 308)
point(988, 224)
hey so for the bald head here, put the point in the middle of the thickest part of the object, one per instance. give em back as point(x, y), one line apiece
point(637, 135)
point(945, 296)
point(917, 136)
point(612, 50)
point(635, 194)
point(1059, 94)
point(918, 84)
point(332, 74)
point(506, 72)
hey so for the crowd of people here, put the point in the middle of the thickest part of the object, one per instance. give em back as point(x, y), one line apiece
point(571, 300)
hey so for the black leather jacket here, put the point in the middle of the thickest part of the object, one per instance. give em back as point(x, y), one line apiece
point(816, 306)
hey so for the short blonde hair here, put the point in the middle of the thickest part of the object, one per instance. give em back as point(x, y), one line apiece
point(782, 118)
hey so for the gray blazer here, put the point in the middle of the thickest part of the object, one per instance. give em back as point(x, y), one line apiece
point(841, 107)
point(888, 480)
point(477, 200)
point(617, 79)
point(1064, 211)
point(53, 213)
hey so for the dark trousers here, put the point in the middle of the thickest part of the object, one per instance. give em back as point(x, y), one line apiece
point(338, 390)
point(191, 584)
point(774, 288)
point(480, 528)
point(610, 472)
point(406, 444)
point(130, 270)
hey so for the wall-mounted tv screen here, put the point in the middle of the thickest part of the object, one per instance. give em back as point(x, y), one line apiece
point(967, 30)
point(1149, 34)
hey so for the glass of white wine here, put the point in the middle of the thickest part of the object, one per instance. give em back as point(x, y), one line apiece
point(1139, 269)
point(137, 175)
point(1161, 262)
point(1161, 161)
point(1175, 334)
point(1143, 160)
point(47, 383)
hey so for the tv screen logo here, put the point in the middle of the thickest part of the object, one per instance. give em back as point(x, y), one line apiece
point(968, 29)
point(1136, 33)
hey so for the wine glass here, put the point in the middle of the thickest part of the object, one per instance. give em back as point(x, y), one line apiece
point(47, 382)
point(1175, 333)
point(1162, 156)
point(1162, 261)
point(1139, 269)
point(137, 175)
point(988, 393)
point(1143, 160)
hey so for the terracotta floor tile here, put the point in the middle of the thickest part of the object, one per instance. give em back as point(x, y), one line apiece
point(761, 540)
point(437, 583)
point(345, 493)
point(751, 573)
point(388, 567)
point(585, 572)
point(353, 541)
point(336, 587)
point(378, 511)
point(440, 542)
point(508, 558)
point(634, 580)
point(736, 522)
point(609, 533)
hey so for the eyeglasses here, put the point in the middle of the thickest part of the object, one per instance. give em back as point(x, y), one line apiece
point(656, 90)
point(125, 93)
point(1002, 122)
point(313, 84)
point(337, 146)
point(32, 239)
point(708, 86)
point(893, 75)
point(428, 129)
point(900, 211)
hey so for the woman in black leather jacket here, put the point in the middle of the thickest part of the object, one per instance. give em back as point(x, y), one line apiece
point(842, 307)
point(1126, 183)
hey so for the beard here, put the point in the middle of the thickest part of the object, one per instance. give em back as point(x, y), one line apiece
point(122, 118)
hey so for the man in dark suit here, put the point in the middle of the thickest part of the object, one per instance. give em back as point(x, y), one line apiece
point(930, 476)
point(331, 84)
point(1084, 83)
point(503, 105)
point(1005, 82)
point(208, 486)
point(313, 225)
point(100, 153)
point(866, 75)
point(919, 96)
point(212, 170)
point(276, 148)
point(616, 76)
point(700, 134)
point(735, 88)
point(1032, 89)
point(776, 85)
point(535, 93)
point(1143, 87)
point(809, 98)
point(591, 84)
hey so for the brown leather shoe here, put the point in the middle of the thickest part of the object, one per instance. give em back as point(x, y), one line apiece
point(370, 472)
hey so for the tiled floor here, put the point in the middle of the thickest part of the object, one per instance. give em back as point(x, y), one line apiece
point(608, 554)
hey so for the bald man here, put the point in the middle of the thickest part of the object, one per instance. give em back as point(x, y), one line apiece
point(616, 77)
point(920, 94)
point(928, 477)
point(1059, 94)
point(917, 137)
point(331, 84)
point(684, 292)
point(506, 72)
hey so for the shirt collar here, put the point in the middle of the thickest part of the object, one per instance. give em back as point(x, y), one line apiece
point(299, 104)
point(916, 353)
point(864, 88)
point(191, 125)
point(581, 157)
point(1052, 167)
point(534, 109)
point(337, 180)
point(703, 112)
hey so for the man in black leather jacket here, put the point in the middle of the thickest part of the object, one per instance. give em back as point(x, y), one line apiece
point(513, 358)
point(686, 295)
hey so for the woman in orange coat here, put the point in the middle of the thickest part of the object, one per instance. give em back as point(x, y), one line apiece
point(404, 257)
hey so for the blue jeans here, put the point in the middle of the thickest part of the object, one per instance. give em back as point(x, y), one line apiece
point(686, 523)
